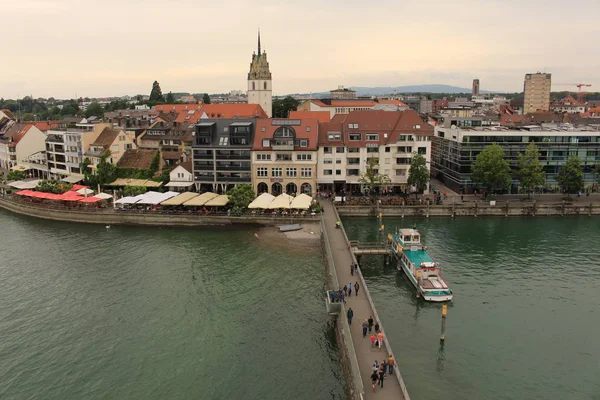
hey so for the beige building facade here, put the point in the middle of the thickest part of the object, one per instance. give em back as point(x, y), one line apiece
point(537, 92)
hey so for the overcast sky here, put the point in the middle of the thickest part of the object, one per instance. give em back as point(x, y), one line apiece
point(95, 48)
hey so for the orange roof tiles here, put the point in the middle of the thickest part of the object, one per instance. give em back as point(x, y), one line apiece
point(394, 102)
point(308, 129)
point(232, 110)
point(176, 108)
point(322, 116)
point(45, 125)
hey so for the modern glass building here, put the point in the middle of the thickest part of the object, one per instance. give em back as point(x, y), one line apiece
point(455, 148)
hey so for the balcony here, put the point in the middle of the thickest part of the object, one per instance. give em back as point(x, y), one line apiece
point(233, 157)
point(204, 178)
point(233, 168)
point(200, 156)
point(289, 147)
point(203, 167)
point(230, 179)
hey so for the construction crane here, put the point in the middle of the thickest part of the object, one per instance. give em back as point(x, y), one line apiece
point(579, 86)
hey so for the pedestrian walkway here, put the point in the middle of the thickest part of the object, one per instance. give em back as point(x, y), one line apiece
point(365, 354)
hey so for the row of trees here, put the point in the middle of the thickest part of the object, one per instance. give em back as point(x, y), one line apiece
point(492, 170)
point(107, 172)
point(418, 175)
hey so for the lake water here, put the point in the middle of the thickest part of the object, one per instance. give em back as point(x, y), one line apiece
point(148, 313)
point(525, 319)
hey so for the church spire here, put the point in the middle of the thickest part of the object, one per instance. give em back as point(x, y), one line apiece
point(259, 41)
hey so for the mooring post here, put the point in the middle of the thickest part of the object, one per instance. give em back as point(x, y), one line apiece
point(444, 312)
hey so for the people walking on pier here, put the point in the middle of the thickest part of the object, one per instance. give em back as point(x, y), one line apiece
point(380, 338)
point(345, 290)
point(356, 287)
point(352, 269)
point(384, 366)
point(350, 314)
point(377, 327)
point(365, 326)
point(381, 377)
point(332, 296)
point(376, 366)
point(391, 363)
point(374, 378)
point(373, 340)
point(370, 324)
point(350, 289)
point(356, 268)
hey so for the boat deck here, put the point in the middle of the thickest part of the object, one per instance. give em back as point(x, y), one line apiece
point(433, 284)
point(418, 257)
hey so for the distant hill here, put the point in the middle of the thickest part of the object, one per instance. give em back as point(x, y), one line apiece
point(382, 90)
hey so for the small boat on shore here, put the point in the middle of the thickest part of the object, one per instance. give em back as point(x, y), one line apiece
point(422, 270)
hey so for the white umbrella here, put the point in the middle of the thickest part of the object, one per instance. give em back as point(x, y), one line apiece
point(302, 201)
point(85, 191)
point(282, 201)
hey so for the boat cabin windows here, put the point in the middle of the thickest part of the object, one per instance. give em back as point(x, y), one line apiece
point(411, 239)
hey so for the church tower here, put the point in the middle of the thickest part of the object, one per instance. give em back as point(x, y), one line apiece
point(260, 90)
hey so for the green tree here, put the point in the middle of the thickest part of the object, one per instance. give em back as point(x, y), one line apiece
point(491, 169)
point(372, 179)
point(94, 109)
point(570, 176)
point(170, 98)
point(155, 164)
point(282, 107)
point(418, 174)
point(70, 108)
point(156, 93)
point(106, 172)
point(531, 174)
point(134, 190)
point(15, 175)
point(206, 98)
point(53, 186)
point(240, 197)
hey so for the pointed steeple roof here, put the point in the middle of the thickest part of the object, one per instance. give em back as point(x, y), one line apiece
point(259, 67)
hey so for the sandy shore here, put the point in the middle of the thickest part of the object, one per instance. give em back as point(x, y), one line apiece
point(307, 237)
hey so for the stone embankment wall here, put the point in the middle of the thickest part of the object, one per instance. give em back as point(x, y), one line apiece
point(110, 217)
point(472, 209)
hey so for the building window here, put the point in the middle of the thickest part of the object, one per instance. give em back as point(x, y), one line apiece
point(308, 129)
point(265, 85)
point(223, 141)
point(121, 138)
point(338, 161)
point(352, 126)
point(253, 85)
point(339, 149)
point(338, 171)
point(263, 157)
point(128, 146)
point(387, 149)
point(327, 172)
point(328, 161)
point(303, 143)
point(303, 157)
point(263, 129)
point(261, 172)
point(353, 149)
point(353, 172)
point(422, 150)
point(372, 149)
point(290, 172)
point(306, 172)
point(400, 172)
point(284, 157)
point(333, 136)
point(355, 136)
point(372, 137)
point(327, 150)
point(114, 148)
point(276, 172)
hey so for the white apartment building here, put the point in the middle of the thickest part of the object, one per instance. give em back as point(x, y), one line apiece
point(345, 148)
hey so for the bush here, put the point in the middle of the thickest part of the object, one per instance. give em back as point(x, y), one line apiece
point(53, 186)
point(15, 175)
point(134, 190)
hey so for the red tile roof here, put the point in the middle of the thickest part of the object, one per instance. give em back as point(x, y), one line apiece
point(106, 138)
point(17, 132)
point(338, 118)
point(387, 124)
point(308, 129)
point(394, 102)
point(322, 116)
point(189, 117)
point(176, 108)
point(231, 110)
point(137, 158)
point(45, 125)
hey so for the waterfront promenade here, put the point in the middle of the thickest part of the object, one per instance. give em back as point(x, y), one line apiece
point(363, 309)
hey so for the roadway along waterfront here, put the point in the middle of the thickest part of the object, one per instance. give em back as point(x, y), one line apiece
point(525, 314)
point(149, 313)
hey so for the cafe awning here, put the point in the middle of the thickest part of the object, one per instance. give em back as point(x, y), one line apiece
point(179, 184)
point(179, 200)
point(103, 196)
point(19, 168)
point(73, 178)
point(200, 200)
point(262, 201)
point(135, 182)
point(218, 201)
point(25, 184)
point(282, 201)
point(302, 202)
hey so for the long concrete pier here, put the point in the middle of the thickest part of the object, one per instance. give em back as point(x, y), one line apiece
point(362, 354)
